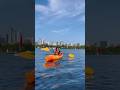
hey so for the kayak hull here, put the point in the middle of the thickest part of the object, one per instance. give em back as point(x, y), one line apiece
point(53, 58)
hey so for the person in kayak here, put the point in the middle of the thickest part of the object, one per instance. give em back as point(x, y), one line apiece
point(56, 52)
point(60, 53)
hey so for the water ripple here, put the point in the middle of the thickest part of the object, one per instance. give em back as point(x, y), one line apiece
point(68, 75)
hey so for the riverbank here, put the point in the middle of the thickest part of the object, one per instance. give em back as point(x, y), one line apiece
point(102, 51)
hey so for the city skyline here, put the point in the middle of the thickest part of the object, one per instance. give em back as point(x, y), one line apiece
point(56, 20)
point(13, 36)
point(42, 41)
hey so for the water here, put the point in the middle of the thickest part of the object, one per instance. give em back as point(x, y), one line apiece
point(12, 71)
point(107, 72)
point(63, 75)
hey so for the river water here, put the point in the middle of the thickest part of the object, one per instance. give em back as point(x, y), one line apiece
point(66, 74)
point(106, 72)
point(12, 71)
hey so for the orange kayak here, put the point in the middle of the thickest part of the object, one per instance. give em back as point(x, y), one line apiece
point(53, 58)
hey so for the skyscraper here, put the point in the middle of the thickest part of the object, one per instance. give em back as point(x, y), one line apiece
point(12, 36)
point(7, 39)
point(20, 41)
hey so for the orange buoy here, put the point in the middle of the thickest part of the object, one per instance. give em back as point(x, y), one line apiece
point(53, 58)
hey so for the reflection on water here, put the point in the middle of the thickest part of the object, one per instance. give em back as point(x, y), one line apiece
point(71, 58)
point(51, 64)
point(106, 72)
point(12, 72)
point(29, 80)
point(67, 73)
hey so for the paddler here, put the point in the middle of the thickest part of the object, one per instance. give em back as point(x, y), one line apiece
point(56, 51)
point(60, 53)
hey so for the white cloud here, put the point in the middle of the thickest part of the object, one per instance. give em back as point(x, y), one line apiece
point(60, 31)
point(61, 8)
point(42, 9)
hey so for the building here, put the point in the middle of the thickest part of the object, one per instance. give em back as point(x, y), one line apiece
point(103, 44)
point(12, 36)
point(2, 40)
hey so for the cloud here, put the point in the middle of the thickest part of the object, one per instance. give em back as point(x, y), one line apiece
point(59, 9)
point(42, 9)
point(61, 31)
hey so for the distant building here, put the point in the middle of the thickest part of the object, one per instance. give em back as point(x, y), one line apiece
point(27, 41)
point(2, 40)
point(103, 44)
point(96, 44)
point(7, 38)
point(12, 38)
point(42, 41)
point(20, 40)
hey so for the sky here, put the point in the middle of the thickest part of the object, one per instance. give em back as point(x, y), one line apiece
point(60, 20)
point(66, 17)
point(18, 14)
point(102, 21)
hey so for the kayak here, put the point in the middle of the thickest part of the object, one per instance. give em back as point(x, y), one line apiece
point(53, 58)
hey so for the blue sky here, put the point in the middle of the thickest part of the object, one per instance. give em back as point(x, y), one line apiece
point(60, 20)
